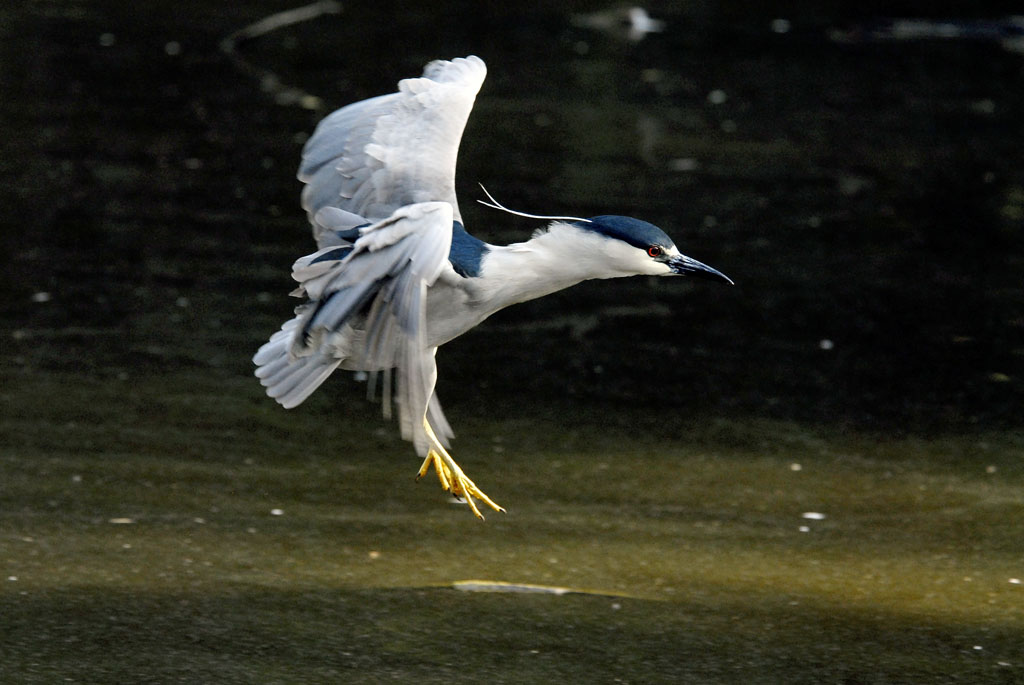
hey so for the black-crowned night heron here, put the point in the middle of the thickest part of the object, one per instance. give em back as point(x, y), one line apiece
point(397, 275)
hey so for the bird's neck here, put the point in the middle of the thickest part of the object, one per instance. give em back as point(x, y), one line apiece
point(552, 260)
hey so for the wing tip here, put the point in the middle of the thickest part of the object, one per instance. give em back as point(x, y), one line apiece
point(458, 69)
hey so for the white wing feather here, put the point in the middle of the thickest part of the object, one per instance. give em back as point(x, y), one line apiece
point(387, 167)
point(374, 156)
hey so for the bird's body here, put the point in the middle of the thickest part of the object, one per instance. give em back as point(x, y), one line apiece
point(397, 275)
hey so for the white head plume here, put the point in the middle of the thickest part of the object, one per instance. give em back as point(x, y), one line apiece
point(494, 204)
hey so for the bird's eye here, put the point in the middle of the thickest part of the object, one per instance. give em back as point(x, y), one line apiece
point(655, 251)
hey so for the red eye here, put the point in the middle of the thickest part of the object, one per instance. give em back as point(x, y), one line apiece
point(655, 251)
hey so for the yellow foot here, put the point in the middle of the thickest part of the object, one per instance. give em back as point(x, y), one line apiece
point(452, 477)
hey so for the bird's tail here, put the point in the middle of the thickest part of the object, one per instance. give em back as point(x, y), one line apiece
point(290, 379)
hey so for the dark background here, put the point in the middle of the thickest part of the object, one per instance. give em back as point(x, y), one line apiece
point(864, 192)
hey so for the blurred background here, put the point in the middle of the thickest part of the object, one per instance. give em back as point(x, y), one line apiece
point(855, 169)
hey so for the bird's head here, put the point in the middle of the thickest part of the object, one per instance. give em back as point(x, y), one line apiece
point(639, 248)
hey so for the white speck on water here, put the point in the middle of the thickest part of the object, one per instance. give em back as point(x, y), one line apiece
point(77, 478)
point(804, 529)
point(717, 96)
point(310, 102)
point(172, 48)
point(780, 25)
point(990, 468)
point(1014, 581)
point(851, 184)
point(182, 302)
point(199, 520)
point(977, 648)
point(41, 297)
point(813, 515)
point(652, 75)
point(684, 164)
point(277, 512)
point(984, 106)
point(826, 344)
point(12, 578)
point(126, 545)
point(121, 521)
point(616, 606)
point(795, 467)
point(107, 39)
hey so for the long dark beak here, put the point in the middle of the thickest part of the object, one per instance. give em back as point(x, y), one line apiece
point(685, 266)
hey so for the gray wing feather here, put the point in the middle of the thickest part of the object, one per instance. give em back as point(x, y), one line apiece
point(381, 287)
point(374, 156)
point(291, 380)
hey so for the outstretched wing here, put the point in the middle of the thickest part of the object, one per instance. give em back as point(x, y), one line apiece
point(379, 284)
point(374, 156)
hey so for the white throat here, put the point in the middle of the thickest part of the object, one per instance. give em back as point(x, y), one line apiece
point(554, 259)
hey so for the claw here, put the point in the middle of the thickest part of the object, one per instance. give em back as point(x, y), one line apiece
point(452, 478)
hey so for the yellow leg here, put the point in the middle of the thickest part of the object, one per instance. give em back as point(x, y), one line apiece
point(451, 476)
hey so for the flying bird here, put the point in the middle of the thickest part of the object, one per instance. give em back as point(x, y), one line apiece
point(397, 275)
